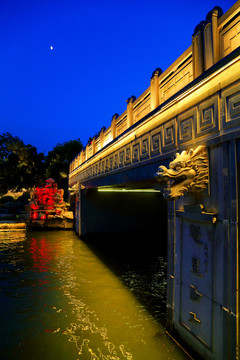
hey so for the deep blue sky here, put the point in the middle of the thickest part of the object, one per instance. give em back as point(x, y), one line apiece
point(103, 52)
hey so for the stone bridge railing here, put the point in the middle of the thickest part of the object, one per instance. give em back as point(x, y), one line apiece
point(213, 40)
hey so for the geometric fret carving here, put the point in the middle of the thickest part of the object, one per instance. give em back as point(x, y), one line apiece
point(135, 152)
point(128, 155)
point(155, 139)
point(186, 125)
point(116, 161)
point(97, 167)
point(103, 166)
point(208, 117)
point(200, 122)
point(231, 107)
point(144, 148)
point(121, 158)
point(106, 165)
point(111, 163)
point(169, 135)
point(100, 168)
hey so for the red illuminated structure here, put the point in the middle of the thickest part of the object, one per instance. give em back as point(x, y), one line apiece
point(47, 202)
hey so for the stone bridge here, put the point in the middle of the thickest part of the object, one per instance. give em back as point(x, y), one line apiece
point(121, 179)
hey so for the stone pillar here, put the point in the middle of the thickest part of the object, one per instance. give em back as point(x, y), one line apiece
point(203, 259)
point(197, 50)
point(78, 212)
point(205, 42)
point(211, 37)
point(102, 138)
point(87, 150)
point(81, 157)
point(113, 125)
point(130, 102)
point(155, 88)
point(77, 160)
point(93, 146)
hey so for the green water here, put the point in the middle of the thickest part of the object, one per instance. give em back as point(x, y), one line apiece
point(59, 300)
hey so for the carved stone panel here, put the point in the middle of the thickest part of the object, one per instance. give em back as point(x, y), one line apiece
point(196, 274)
point(169, 135)
point(186, 126)
point(207, 122)
point(121, 158)
point(136, 152)
point(231, 106)
point(128, 155)
point(144, 148)
point(155, 142)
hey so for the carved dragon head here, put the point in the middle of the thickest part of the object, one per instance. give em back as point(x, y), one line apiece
point(187, 172)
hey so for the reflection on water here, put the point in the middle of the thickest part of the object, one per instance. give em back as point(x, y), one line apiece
point(59, 301)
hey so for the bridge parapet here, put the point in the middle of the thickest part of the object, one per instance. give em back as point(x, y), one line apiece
point(137, 135)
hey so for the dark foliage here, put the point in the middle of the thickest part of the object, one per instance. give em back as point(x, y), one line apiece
point(20, 165)
point(58, 161)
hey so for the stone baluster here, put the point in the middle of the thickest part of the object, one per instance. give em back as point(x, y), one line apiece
point(211, 38)
point(154, 86)
point(130, 102)
point(81, 157)
point(205, 42)
point(113, 125)
point(102, 138)
point(197, 50)
point(87, 151)
point(93, 146)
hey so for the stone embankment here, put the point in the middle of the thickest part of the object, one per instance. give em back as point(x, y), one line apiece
point(9, 225)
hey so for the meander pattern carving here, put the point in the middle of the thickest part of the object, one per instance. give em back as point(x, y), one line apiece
point(213, 117)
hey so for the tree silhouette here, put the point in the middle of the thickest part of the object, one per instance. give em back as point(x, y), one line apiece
point(58, 161)
point(20, 165)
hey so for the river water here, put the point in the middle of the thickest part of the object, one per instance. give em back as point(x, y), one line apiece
point(65, 298)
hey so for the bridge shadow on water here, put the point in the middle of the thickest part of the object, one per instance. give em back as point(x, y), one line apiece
point(140, 262)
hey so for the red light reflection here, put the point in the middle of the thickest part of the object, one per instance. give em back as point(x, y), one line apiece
point(41, 253)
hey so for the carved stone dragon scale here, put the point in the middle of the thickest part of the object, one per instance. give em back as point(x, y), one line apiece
point(187, 172)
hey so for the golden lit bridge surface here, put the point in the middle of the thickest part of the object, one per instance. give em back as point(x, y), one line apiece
point(195, 100)
point(192, 108)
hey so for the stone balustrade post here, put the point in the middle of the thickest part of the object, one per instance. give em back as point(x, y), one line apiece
point(81, 157)
point(205, 42)
point(87, 151)
point(93, 146)
point(113, 125)
point(130, 102)
point(211, 37)
point(197, 50)
point(101, 138)
point(154, 88)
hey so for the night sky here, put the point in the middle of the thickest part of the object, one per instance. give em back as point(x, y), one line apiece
point(67, 66)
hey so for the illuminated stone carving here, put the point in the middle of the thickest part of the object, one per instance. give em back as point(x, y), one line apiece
point(188, 172)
